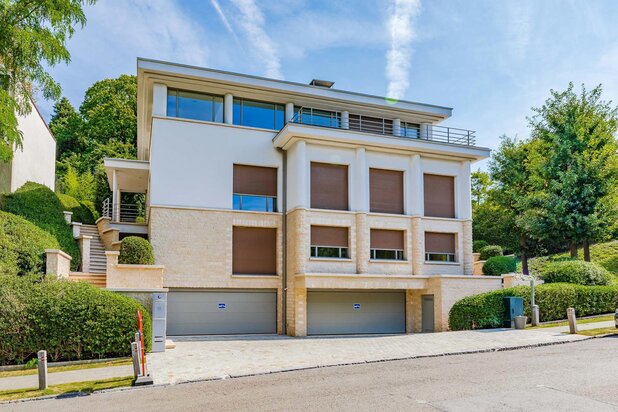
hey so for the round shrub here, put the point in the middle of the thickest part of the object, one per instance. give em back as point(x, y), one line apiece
point(71, 320)
point(135, 250)
point(576, 271)
point(499, 265)
point(83, 212)
point(477, 245)
point(490, 251)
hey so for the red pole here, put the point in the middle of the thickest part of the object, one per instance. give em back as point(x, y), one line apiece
point(141, 338)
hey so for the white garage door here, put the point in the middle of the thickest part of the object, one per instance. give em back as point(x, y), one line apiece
point(221, 312)
point(332, 313)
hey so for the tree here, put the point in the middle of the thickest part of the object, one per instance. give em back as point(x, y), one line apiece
point(577, 145)
point(81, 186)
point(67, 127)
point(33, 35)
point(481, 183)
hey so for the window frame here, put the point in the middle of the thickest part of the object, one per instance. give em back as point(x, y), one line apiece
point(399, 254)
point(240, 196)
point(342, 252)
point(449, 257)
point(242, 100)
point(212, 101)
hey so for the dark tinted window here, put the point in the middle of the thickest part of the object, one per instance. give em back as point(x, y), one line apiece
point(197, 106)
point(258, 114)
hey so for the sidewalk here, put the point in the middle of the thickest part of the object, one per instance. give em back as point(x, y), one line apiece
point(82, 375)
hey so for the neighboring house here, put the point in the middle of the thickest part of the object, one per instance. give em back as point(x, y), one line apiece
point(35, 161)
point(279, 207)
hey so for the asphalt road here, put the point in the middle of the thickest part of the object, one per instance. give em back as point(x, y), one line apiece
point(577, 376)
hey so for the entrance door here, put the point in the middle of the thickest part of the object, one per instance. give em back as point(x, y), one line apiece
point(427, 312)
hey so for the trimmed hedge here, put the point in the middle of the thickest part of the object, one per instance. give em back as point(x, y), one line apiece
point(71, 320)
point(486, 310)
point(576, 271)
point(135, 250)
point(499, 265)
point(82, 211)
point(40, 206)
point(477, 245)
point(22, 246)
point(490, 251)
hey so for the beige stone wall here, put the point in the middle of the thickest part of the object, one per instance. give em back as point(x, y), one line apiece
point(120, 276)
point(446, 226)
point(57, 263)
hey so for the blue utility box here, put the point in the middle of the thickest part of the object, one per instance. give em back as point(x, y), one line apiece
point(513, 306)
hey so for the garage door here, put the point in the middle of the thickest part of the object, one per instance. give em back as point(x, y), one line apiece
point(220, 313)
point(332, 313)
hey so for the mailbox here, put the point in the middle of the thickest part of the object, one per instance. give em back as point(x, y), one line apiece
point(159, 321)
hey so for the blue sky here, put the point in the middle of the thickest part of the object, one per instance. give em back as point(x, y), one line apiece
point(490, 60)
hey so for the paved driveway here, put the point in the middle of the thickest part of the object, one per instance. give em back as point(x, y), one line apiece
point(197, 358)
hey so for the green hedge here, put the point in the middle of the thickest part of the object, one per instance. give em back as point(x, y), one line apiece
point(22, 246)
point(477, 245)
point(490, 251)
point(135, 250)
point(71, 320)
point(486, 310)
point(576, 271)
point(83, 212)
point(499, 265)
point(40, 206)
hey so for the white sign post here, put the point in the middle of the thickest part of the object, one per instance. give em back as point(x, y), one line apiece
point(42, 358)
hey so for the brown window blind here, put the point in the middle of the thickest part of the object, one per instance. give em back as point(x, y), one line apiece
point(329, 236)
point(386, 191)
point(254, 251)
point(329, 186)
point(439, 242)
point(255, 180)
point(386, 239)
point(439, 194)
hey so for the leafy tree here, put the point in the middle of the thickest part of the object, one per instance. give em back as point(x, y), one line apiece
point(481, 183)
point(33, 34)
point(577, 145)
point(80, 186)
point(67, 127)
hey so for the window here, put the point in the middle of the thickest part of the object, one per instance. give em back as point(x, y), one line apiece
point(386, 191)
point(259, 114)
point(329, 186)
point(254, 251)
point(317, 117)
point(255, 188)
point(329, 242)
point(439, 192)
point(440, 247)
point(411, 130)
point(197, 106)
point(386, 244)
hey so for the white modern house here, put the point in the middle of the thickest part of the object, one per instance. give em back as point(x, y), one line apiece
point(279, 207)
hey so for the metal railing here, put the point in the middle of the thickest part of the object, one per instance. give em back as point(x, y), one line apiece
point(383, 126)
point(124, 212)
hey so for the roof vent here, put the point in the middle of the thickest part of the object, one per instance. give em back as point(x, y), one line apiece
point(322, 83)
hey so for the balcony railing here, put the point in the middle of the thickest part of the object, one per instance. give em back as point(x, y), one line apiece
point(124, 213)
point(387, 127)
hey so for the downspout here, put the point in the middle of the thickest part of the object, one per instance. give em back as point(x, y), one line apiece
point(284, 240)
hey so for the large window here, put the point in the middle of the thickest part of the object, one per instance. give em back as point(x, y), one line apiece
point(255, 188)
point(439, 193)
point(387, 244)
point(317, 117)
point(197, 106)
point(440, 247)
point(329, 242)
point(386, 191)
point(259, 114)
point(254, 251)
point(329, 186)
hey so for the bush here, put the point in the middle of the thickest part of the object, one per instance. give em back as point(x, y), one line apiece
point(477, 245)
point(490, 251)
point(576, 271)
point(499, 265)
point(82, 211)
point(135, 250)
point(22, 246)
point(71, 320)
point(486, 310)
point(40, 206)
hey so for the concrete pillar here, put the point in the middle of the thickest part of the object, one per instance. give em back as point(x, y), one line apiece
point(572, 320)
point(300, 312)
point(84, 248)
point(426, 131)
point(362, 243)
point(68, 216)
point(418, 246)
point(360, 188)
point(159, 99)
point(467, 258)
point(289, 112)
point(77, 228)
point(396, 127)
point(464, 190)
point(115, 197)
point(345, 119)
point(415, 187)
point(57, 263)
point(298, 176)
point(228, 109)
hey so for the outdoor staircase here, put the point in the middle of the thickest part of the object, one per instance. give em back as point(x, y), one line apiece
point(98, 261)
point(98, 280)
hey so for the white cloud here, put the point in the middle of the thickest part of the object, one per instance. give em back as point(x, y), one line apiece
point(519, 27)
point(252, 21)
point(224, 19)
point(401, 30)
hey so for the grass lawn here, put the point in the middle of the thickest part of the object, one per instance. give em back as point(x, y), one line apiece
point(77, 387)
point(599, 332)
point(603, 318)
point(34, 371)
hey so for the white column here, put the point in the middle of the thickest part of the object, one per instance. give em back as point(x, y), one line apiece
point(159, 99)
point(345, 119)
point(298, 176)
point(396, 127)
point(426, 131)
point(228, 109)
point(464, 192)
point(415, 187)
point(289, 112)
point(360, 193)
point(115, 197)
